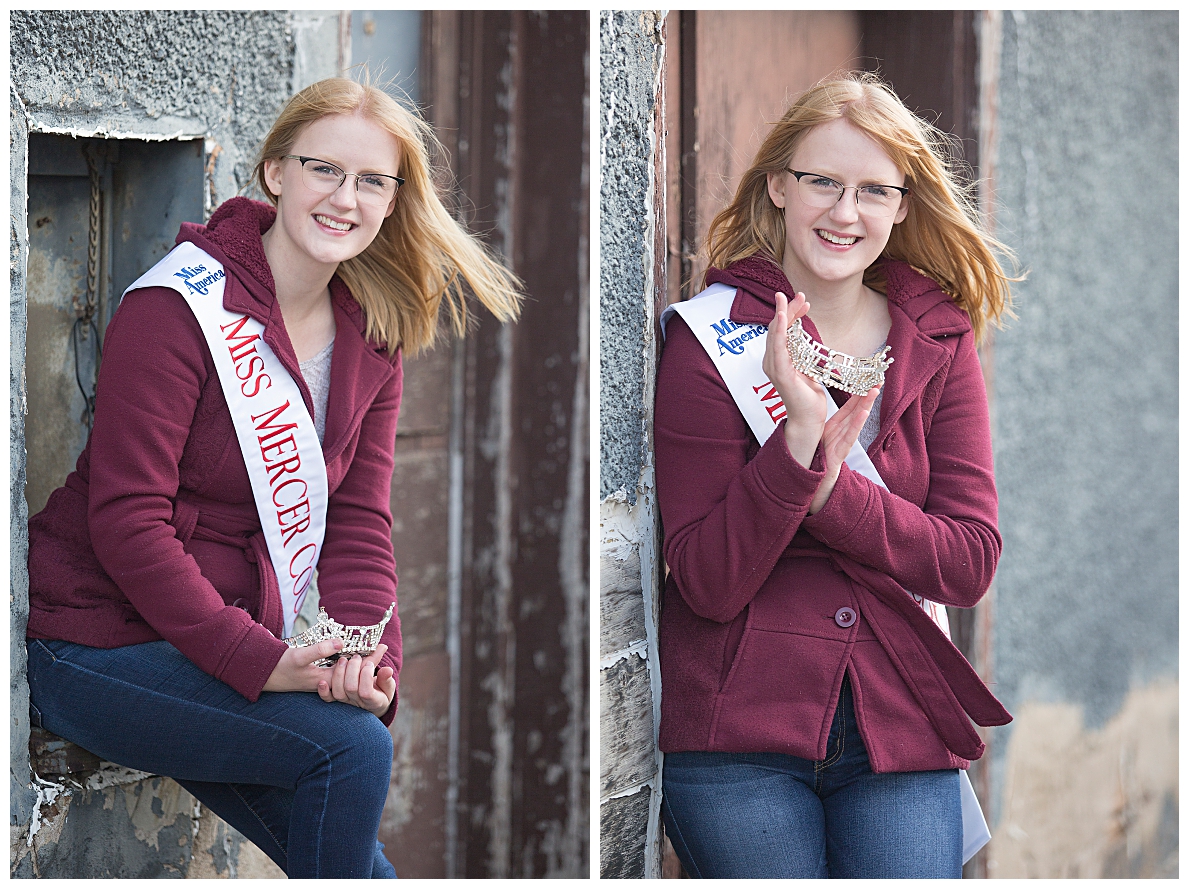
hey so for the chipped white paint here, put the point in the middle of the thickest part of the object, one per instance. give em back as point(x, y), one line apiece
point(638, 648)
point(112, 131)
point(632, 791)
point(626, 532)
point(47, 794)
point(112, 775)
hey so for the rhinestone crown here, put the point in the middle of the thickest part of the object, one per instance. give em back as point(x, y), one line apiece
point(835, 369)
point(356, 640)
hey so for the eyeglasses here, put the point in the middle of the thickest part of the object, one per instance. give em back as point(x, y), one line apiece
point(326, 178)
point(821, 191)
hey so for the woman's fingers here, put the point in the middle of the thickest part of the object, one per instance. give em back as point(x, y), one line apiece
point(797, 308)
point(338, 679)
point(360, 681)
point(369, 675)
point(372, 660)
point(386, 686)
point(306, 656)
point(781, 321)
point(842, 429)
point(777, 365)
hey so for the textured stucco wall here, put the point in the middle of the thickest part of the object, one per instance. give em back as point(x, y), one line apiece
point(631, 284)
point(221, 76)
point(1085, 387)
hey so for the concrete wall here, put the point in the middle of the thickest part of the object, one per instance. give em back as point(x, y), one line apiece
point(632, 233)
point(217, 76)
point(1085, 391)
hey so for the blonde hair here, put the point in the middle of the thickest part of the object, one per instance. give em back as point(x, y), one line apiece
point(421, 255)
point(942, 234)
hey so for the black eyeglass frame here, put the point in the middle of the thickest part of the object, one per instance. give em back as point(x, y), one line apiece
point(303, 160)
point(904, 192)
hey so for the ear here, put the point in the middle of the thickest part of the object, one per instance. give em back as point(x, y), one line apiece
point(776, 188)
point(391, 205)
point(272, 175)
point(903, 211)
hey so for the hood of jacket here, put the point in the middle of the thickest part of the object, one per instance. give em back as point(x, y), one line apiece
point(759, 278)
point(234, 236)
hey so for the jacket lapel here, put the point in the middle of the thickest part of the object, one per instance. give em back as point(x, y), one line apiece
point(918, 357)
point(357, 373)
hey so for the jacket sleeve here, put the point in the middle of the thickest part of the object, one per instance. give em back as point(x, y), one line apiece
point(357, 569)
point(727, 519)
point(155, 366)
point(948, 550)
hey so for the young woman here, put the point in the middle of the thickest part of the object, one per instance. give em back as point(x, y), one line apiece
point(157, 609)
point(815, 714)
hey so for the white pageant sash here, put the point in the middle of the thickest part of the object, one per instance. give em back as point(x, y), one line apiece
point(737, 351)
point(276, 434)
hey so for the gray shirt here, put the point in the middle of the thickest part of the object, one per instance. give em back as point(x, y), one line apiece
point(317, 376)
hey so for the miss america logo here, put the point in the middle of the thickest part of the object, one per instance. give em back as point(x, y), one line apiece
point(202, 284)
point(728, 342)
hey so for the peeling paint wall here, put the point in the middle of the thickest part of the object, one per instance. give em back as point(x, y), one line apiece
point(163, 832)
point(1085, 636)
point(149, 76)
point(632, 285)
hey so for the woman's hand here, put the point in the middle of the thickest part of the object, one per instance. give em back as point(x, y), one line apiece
point(841, 432)
point(295, 671)
point(804, 399)
point(356, 681)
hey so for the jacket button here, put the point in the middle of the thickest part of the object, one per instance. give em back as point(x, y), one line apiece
point(845, 617)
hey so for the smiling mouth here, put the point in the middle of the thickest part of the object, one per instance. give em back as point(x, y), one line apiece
point(330, 223)
point(835, 239)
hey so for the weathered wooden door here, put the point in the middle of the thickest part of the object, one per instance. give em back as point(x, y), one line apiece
point(490, 489)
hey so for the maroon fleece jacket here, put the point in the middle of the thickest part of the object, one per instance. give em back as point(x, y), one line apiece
point(752, 657)
point(155, 534)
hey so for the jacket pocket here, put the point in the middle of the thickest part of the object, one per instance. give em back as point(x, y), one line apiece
point(778, 694)
point(735, 635)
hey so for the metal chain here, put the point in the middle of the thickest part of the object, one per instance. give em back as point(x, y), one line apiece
point(92, 239)
point(84, 324)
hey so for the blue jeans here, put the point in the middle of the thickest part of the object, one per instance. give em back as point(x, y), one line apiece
point(302, 779)
point(774, 815)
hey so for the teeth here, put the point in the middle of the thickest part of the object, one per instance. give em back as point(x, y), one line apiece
point(833, 239)
point(330, 223)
